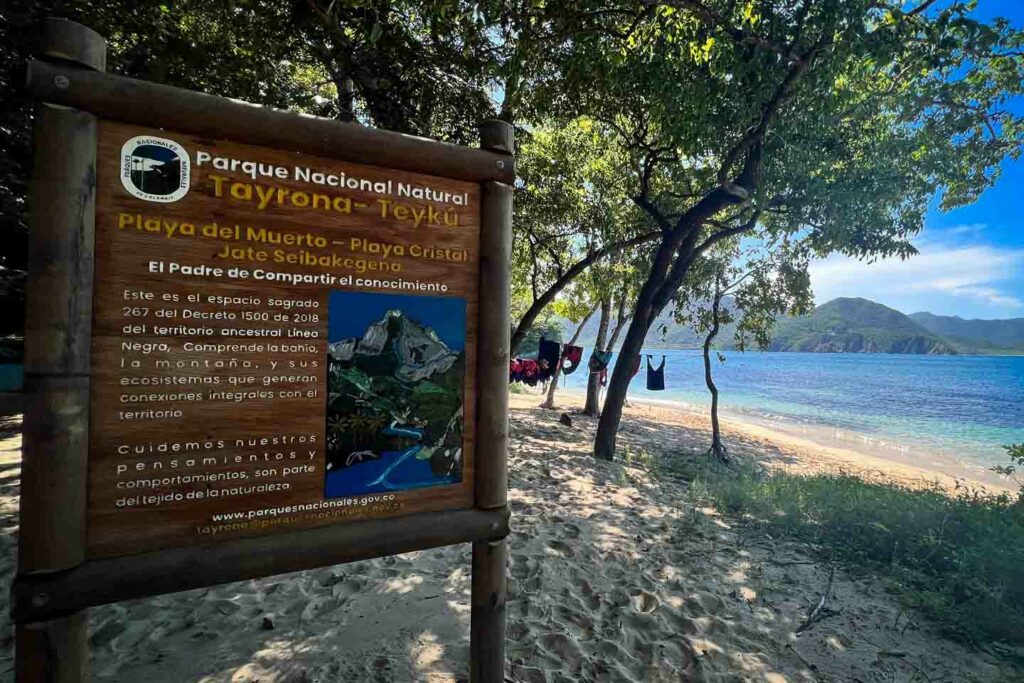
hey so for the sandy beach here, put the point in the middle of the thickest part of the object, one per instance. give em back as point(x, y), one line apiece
point(805, 450)
point(615, 575)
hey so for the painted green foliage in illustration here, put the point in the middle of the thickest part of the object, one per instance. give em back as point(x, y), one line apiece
point(396, 388)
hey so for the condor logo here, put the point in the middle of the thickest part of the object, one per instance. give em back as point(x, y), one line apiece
point(155, 169)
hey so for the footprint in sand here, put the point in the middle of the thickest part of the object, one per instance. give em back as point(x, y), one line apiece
point(609, 650)
point(518, 630)
point(524, 568)
point(707, 603)
point(613, 571)
point(577, 622)
point(561, 548)
point(680, 622)
point(590, 597)
point(532, 584)
point(619, 597)
point(348, 587)
point(645, 602)
point(564, 648)
point(316, 606)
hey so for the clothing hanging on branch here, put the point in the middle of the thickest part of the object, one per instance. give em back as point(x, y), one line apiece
point(548, 354)
point(655, 377)
point(599, 360)
point(598, 365)
point(572, 356)
point(523, 370)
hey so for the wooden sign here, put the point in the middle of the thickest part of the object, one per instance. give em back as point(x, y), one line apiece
point(256, 342)
point(279, 341)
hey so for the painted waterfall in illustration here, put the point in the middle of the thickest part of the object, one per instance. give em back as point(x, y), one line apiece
point(396, 370)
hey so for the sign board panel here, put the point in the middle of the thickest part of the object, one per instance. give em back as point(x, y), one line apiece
point(279, 341)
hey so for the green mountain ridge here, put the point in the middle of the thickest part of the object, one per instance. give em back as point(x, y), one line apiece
point(976, 336)
point(849, 325)
point(853, 325)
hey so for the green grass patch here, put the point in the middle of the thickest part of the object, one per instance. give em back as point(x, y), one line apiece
point(959, 559)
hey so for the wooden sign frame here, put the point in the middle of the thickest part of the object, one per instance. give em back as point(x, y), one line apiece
point(56, 583)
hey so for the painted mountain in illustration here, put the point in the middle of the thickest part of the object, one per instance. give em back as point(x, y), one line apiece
point(416, 350)
point(394, 412)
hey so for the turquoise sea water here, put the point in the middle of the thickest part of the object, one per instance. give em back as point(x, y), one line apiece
point(962, 407)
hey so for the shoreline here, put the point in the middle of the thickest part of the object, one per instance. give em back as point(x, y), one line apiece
point(798, 449)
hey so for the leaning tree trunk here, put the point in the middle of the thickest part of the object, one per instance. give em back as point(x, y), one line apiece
point(644, 314)
point(618, 385)
point(549, 402)
point(676, 253)
point(678, 248)
point(717, 449)
point(593, 378)
point(620, 323)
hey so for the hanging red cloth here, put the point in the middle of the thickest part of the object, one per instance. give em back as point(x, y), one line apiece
point(573, 355)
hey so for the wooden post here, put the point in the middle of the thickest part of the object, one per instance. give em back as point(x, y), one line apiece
point(487, 616)
point(487, 630)
point(57, 340)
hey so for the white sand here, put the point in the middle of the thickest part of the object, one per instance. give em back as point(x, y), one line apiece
point(807, 451)
point(613, 577)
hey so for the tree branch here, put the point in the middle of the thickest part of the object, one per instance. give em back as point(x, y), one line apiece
point(921, 8)
point(726, 233)
point(720, 22)
point(571, 274)
point(755, 134)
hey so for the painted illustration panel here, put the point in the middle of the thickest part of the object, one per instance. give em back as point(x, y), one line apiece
point(396, 372)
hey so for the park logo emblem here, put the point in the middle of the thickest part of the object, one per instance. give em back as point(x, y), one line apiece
point(155, 169)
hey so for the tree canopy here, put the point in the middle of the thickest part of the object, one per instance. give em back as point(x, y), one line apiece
point(571, 212)
point(835, 122)
point(654, 135)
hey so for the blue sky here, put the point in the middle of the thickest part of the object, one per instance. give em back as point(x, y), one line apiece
point(971, 260)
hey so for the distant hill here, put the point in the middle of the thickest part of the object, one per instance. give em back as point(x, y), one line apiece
point(849, 325)
point(664, 333)
point(976, 336)
point(857, 326)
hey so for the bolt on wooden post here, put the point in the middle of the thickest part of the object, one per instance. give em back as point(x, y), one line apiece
point(231, 375)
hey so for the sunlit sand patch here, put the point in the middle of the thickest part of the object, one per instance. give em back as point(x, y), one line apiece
point(403, 585)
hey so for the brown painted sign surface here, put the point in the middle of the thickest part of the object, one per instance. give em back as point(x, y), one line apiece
point(280, 341)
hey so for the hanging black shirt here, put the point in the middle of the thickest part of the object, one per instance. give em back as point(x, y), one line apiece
point(548, 355)
point(656, 378)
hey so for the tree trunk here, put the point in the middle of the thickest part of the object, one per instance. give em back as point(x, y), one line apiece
point(591, 407)
point(678, 248)
point(676, 253)
point(620, 323)
point(346, 97)
point(717, 449)
point(608, 426)
point(549, 402)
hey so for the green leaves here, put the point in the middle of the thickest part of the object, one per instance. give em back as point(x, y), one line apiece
point(571, 200)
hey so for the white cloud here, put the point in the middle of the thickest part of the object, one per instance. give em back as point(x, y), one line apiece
point(944, 278)
point(965, 229)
